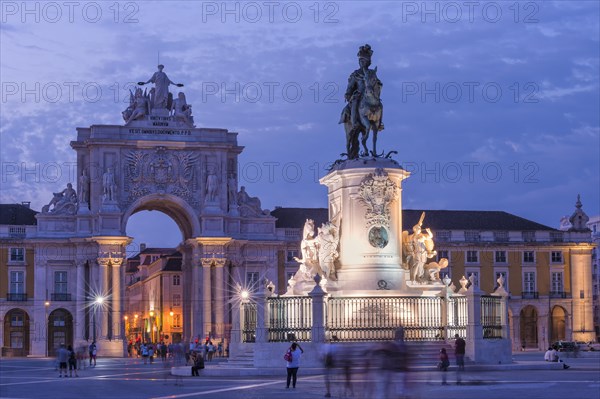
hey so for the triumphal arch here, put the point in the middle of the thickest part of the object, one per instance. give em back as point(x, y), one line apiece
point(157, 159)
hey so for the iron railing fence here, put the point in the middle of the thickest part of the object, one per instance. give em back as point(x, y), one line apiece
point(492, 316)
point(377, 318)
point(458, 315)
point(249, 313)
point(289, 318)
point(350, 319)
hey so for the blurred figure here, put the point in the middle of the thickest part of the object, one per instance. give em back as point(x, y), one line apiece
point(551, 355)
point(459, 352)
point(443, 365)
point(72, 362)
point(328, 364)
point(390, 358)
point(62, 356)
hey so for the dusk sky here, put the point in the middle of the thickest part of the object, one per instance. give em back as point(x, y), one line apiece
point(490, 105)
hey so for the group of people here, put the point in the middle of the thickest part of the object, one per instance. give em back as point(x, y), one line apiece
point(67, 358)
point(551, 355)
point(459, 353)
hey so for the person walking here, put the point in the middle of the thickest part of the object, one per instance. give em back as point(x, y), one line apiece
point(443, 365)
point(145, 353)
point(93, 352)
point(328, 364)
point(72, 362)
point(62, 357)
point(459, 352)
point(293, 363)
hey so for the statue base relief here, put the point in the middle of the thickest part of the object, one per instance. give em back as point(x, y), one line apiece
point(365, 203)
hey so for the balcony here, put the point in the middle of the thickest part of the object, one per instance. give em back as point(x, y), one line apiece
point(60, 297)
point(558, 294)
point(530, 295)
point(16, 297)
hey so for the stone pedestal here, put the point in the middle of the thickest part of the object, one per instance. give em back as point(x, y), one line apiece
point(365, 202)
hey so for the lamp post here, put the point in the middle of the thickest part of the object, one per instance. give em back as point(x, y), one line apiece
point(97, 302)
point(46, 305)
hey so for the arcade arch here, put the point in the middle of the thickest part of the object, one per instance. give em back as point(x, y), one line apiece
point(529, 327)
point(16, 333)
point(60, 330)
point(559, 330)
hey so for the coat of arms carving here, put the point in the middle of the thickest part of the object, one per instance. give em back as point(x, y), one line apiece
point(161, 171)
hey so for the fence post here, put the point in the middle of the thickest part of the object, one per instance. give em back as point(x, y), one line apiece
point(237, 322)
point(262, 330)
point(474, 329)
point(318, 312)
point(501, 292)
point(445, 294)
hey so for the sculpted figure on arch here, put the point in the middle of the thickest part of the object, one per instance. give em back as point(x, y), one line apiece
point(161, 88)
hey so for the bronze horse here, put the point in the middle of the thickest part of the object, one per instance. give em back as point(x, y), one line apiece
point(370, 112)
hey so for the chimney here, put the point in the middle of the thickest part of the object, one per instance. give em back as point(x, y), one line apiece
point(142, 247)
point(26, 204)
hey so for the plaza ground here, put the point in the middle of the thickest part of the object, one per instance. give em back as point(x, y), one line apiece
point(114, 378)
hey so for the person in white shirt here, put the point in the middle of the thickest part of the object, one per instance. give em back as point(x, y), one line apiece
point(294, 364)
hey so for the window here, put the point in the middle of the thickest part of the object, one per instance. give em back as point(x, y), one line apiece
point(17, 255)
point(16, 320)
point(528, 236)
point(556, 236)
point(472, 256)
point(60, 282)
point(176, 279)
point(176, 321)
point(442, 236)
point(252, 280)
point(528, 257)
point(557, 282)
point(291, 254)
point(556, 257)
point(176, 300)
point(153, 258)
point(500, 256)
point(442, 254)
point(17, 282)
point(59, 321)
point(472, 236)
point(501, 236)
point(528, 282)
point(475, 278)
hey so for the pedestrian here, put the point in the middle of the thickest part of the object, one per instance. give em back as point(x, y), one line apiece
point(72, 362)
point(62, 357)
point(93, 352)
point(198, 363)
point(211, 351)
point(145, 353)
point(220, 349)
point(293, 363)
point(443, 365)
point(151, 353)
point(459, 352)
point(329, 364)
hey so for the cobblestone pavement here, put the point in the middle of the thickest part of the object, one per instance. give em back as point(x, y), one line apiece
point(129, 378)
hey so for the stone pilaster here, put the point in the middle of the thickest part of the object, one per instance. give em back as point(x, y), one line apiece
point(206, 296)
point(219, 297)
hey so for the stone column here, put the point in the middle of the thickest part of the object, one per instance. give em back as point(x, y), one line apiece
point(318, 312)
point(99, 311)
point(219, 297)
point(206, 296)
point(262, 333)
point(80, 303)
point(474, 339)
point(581, 289)
point(117, 308)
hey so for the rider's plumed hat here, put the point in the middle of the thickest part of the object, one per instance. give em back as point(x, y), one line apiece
point(365, 52)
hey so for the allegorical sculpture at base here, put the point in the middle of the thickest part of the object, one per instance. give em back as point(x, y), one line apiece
point(364, 112)
point(319, 255)
point(417, 249)
point(63, 203)
point(158, 101)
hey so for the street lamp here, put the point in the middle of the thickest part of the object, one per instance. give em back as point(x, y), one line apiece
point(97, 302)
point(46, 305)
